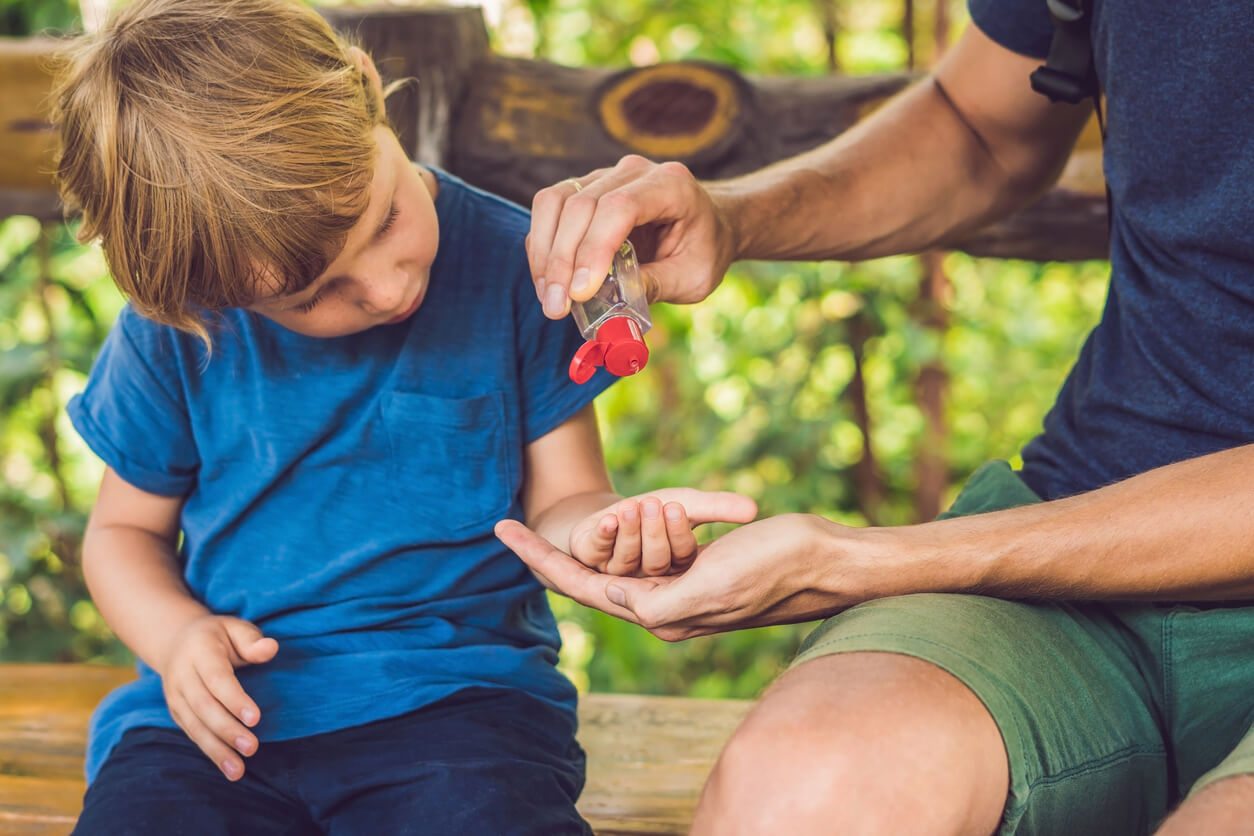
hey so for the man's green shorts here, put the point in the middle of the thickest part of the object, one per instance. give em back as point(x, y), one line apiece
point(1111, 713)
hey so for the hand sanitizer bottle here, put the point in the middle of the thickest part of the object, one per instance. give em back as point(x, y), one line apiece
point(613, 322)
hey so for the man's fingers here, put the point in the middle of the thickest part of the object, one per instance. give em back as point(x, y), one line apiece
point(567, 575)
point(558, 224)
point(644, 193)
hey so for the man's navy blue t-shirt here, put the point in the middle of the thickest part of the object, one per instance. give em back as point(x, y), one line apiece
point(341, 493)
point(1167, 374)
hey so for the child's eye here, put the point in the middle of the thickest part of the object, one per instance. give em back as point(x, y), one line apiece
point(391, 219)
point(306, 307)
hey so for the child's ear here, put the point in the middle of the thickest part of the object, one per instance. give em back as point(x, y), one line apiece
point(366, 65)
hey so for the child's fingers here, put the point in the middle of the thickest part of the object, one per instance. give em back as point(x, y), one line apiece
point(683, 543)
point(711, 506)
point(218, 678)
point(186, 710)
point(223, 719)
point(593, 545)
point(250, 645)
point(598, 545)
point(626, 557)
point(655, 547)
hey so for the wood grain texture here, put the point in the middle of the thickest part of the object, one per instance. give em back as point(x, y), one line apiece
point(647, 756)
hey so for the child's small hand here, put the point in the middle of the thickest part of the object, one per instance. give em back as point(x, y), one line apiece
point(651, 534)
point(203, 693)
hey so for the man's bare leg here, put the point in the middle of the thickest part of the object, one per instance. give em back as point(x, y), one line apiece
point(860, 743)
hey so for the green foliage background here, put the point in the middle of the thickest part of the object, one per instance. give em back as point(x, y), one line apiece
point(747, 391)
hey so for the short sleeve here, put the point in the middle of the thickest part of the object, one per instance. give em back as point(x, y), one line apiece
point(1022, 26)
point(545, 348)
point(133, 414)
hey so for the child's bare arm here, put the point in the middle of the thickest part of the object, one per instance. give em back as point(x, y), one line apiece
point(564, 478)
point(135, 581)
point(568, 500)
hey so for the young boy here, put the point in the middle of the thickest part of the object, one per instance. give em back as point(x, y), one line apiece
point(311, 418)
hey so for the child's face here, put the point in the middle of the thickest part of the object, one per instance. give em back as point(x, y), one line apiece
point(380, 276)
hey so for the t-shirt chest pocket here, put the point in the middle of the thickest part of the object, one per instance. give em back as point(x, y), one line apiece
point(454, 462)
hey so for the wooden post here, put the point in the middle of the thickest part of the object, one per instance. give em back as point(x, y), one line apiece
point(434, 49)
point(27, 138)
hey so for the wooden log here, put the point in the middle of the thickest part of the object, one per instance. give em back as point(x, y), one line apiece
point(513, 126)
point(434, 49)
point(647, 756)
point(27, 137)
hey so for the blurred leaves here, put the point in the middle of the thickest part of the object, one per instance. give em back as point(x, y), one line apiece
point(56, 304)
point(19, 18)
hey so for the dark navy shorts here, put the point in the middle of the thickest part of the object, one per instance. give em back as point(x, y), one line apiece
point(490, 762)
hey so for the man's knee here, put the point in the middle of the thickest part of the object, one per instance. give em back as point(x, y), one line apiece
point(861, 742)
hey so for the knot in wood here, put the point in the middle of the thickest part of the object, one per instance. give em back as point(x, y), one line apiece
point(678, 111)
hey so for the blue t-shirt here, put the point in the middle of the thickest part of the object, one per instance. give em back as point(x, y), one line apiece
point(1166, 375)
point(341, 493)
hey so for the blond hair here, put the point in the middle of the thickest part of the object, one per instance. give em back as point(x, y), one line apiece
point(215, 147)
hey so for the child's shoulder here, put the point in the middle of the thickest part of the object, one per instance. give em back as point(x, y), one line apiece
point(479, 210)
point(140, 329)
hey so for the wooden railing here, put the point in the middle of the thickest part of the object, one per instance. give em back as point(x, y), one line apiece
point(513, 126)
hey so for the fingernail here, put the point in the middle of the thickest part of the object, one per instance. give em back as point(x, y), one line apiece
point(672, 513)
point(540, 284)
point(650, 510)
point(249, 716)
point(616, 595)
point(629, 514)
point(580, 280)
point(555, 300)
point(231, 768)
point(242, 744)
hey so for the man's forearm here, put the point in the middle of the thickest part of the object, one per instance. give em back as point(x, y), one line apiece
point(1180, 532)
point(135, 582)
point(903, 180)
point(953, 152)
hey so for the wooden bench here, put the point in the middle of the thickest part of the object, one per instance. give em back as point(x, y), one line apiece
point(647, 756)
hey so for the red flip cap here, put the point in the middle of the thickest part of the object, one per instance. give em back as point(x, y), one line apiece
point(619, 346)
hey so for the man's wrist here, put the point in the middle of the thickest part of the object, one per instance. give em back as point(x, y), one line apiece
point(889, 561)
point(731, 209)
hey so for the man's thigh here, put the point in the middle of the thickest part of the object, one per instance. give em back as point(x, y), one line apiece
point(1065, 687)
point(156, 781)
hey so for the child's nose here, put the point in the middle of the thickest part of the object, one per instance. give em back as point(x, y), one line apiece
point(386, 295)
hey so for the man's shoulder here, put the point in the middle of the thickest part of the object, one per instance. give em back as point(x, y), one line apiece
point(1022, 26)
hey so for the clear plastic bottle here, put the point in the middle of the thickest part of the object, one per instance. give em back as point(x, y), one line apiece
point(613, 322)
